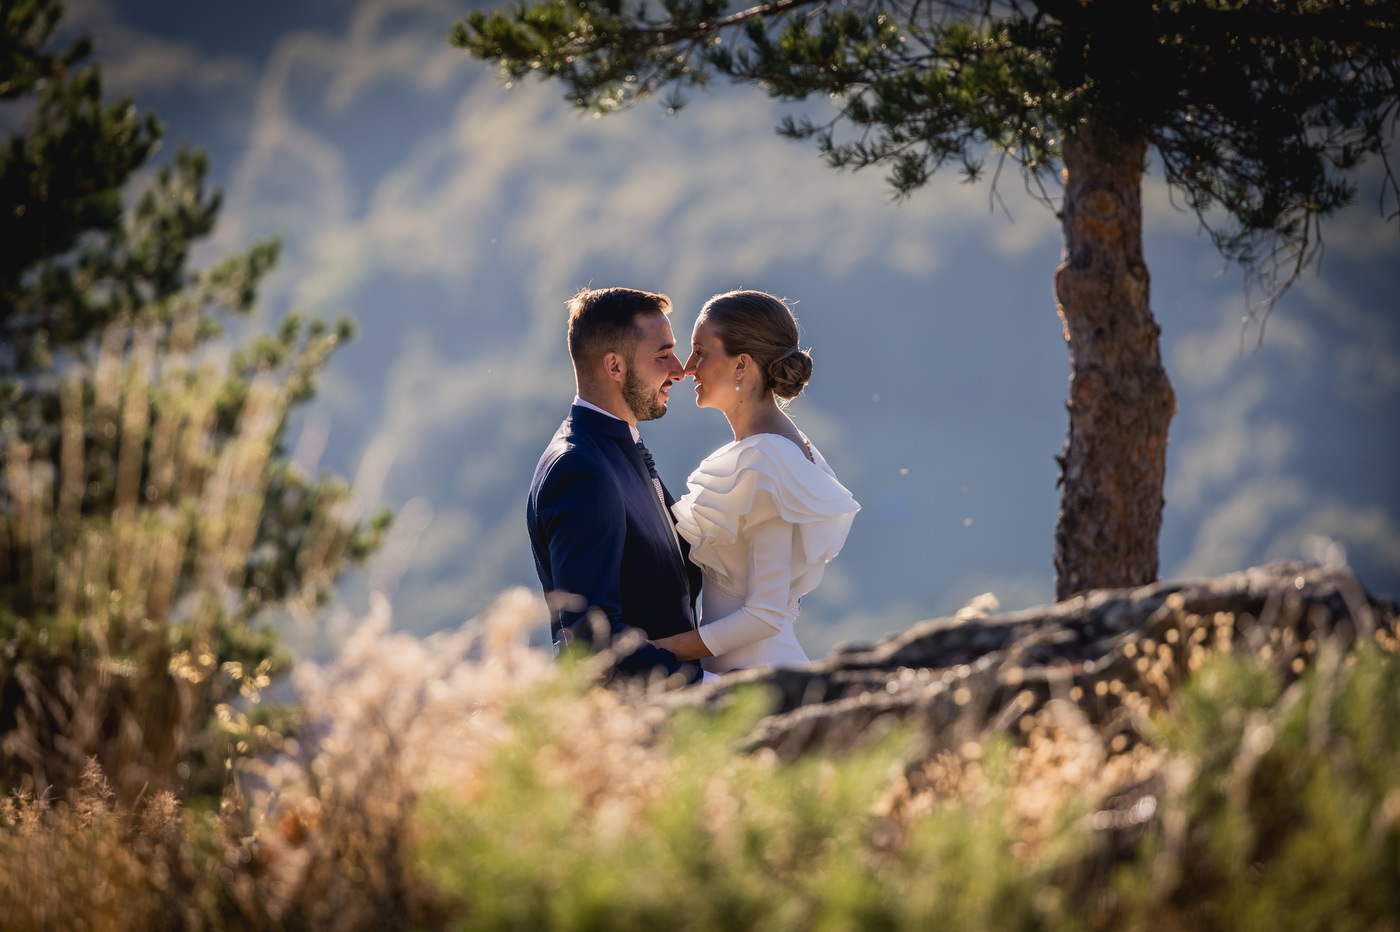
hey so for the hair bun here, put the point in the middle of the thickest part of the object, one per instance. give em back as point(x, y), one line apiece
point(756, 323)
point(788, 374)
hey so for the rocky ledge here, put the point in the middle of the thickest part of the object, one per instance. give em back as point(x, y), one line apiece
point(1114, 655)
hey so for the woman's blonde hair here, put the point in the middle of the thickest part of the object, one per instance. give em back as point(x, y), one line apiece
point(763, 326)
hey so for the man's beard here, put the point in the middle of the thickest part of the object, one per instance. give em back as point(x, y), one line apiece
point(644, 405)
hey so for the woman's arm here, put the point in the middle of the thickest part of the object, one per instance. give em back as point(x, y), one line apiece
point(765, 604)
point(686, 646)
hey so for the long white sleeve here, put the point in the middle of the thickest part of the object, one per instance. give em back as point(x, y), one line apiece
point(770, 582)
point(762, 521)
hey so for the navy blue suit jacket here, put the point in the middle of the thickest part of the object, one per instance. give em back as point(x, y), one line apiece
point(597, 531)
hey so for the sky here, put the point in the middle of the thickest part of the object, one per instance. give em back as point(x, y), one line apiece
point(451, 216)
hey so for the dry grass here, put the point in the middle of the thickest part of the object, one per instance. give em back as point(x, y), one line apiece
point(464, 781)
point(92, 864)
point(139, 535)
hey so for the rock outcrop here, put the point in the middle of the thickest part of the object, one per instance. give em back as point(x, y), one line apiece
point(1112, 654)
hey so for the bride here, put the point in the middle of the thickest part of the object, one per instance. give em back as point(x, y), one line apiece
point(765, 513)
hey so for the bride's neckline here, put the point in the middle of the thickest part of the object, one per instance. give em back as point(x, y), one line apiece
point(805, 446)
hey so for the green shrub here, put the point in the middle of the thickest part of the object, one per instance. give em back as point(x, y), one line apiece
point(148, 514)
point(1286, 805)
point(1279, 808)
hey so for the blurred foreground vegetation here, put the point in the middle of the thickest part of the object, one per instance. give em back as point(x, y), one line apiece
point(149, 516)
point(464, 782)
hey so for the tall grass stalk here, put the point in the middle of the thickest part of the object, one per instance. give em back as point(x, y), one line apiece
point(137, 544)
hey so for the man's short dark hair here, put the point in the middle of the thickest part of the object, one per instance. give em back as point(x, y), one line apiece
point(604, 320)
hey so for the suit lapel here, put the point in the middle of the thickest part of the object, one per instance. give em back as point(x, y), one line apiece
point(662, 512)
point(607, 429)
point(634, 456)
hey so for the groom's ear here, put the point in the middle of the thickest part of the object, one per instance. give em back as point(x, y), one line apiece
point(614, 366)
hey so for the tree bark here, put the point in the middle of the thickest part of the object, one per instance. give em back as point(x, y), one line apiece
point(1113, 467)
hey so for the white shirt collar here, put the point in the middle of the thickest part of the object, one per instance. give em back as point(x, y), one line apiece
point(636, 437)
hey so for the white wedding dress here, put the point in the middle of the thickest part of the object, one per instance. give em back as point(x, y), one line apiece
point(762, 522)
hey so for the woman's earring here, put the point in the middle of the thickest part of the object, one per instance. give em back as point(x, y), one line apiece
point(736, 384)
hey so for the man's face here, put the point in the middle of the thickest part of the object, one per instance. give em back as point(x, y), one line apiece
point(653, 367)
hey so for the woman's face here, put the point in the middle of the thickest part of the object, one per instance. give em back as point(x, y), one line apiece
point(708, 365)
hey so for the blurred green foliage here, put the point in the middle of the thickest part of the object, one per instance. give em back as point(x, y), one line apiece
point(729, 842)
point(460, 784)
point(148, 514)
point(1286, 806)
point(1279, 809)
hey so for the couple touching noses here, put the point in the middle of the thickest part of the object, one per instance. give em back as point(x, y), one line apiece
point(710, 582)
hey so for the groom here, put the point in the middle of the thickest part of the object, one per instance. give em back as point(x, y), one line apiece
point(599, 518)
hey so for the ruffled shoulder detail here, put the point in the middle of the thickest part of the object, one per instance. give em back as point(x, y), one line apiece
point(727, 490)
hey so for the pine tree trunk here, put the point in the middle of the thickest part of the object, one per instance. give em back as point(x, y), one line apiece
point(1121, 402)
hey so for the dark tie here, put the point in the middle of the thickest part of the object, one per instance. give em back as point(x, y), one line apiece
point(661, 495)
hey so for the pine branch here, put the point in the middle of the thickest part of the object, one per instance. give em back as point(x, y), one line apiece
point(671, 34)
